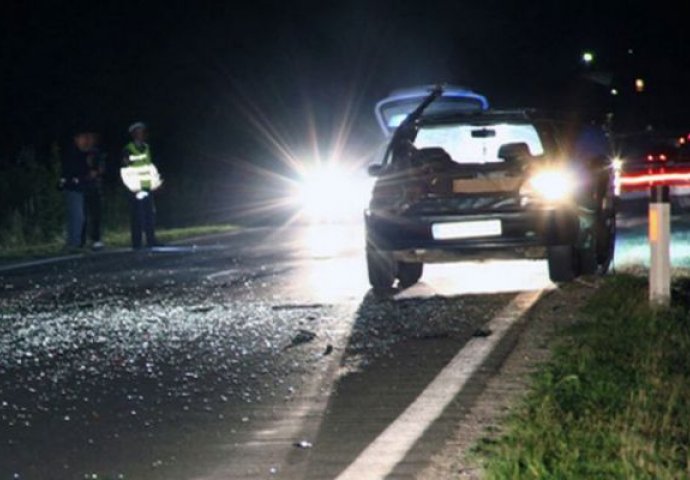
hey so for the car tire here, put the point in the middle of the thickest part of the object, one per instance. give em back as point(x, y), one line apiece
point(409, 273)
point(381, 268)
point(563, 263)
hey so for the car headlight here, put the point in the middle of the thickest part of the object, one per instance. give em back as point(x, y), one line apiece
point(330, 192)
point(550, 184)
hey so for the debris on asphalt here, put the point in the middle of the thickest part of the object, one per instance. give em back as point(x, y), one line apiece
point(482, 332)
point(298, 306)
point(114, 360)
point(303, 444)
point(302, 337)
point(201, 308)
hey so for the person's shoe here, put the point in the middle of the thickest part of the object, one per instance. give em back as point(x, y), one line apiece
point(97, 246)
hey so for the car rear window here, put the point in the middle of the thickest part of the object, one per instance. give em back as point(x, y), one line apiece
point(395, 112)
point(478, 144)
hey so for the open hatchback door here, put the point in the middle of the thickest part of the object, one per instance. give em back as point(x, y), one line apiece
point(394, 109)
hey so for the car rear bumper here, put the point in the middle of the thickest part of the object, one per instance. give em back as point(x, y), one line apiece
point(523, 234)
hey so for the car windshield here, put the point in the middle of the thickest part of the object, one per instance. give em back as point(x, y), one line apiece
point(467, 144)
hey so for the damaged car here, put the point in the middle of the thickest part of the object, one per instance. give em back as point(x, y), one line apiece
point(475, 183)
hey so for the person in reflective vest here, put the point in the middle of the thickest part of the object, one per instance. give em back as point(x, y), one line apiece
point(141, 178)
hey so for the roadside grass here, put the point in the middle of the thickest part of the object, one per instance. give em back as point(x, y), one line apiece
point(614, 400)
point(112, 238)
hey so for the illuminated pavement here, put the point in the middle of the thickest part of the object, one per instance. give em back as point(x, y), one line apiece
point(217, 361)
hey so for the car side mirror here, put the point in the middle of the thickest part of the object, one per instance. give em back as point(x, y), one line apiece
point(375, 170)
point(514, 151)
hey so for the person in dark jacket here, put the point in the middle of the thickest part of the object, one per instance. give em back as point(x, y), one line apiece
point(75, 174)
point(93, 192)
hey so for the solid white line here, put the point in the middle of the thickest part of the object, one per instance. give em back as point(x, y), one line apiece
point(382, 455)
point(45, 261)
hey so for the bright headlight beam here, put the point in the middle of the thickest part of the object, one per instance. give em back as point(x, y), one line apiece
point(329, 193)
point(552, 184)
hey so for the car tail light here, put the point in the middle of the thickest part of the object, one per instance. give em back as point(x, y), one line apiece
point(657, 157)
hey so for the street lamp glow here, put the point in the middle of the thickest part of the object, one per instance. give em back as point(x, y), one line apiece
point(639, 85)
point(614, 91)
point(588, 57)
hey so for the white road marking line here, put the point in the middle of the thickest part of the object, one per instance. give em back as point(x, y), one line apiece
point(35, 263)
point(64, 258)
point(382, 455)
point(194, 247)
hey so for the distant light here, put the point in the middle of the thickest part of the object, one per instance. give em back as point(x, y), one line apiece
point(631, 51)
point(614, 91)
point(639, 85)
point(588, 57)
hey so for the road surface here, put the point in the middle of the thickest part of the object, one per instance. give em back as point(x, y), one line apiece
point(256, 354)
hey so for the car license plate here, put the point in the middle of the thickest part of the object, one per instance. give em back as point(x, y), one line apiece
point(458, 230)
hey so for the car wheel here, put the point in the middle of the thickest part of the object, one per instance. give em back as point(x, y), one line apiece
point(381, 268)
point(409, 273)
point(563, 263)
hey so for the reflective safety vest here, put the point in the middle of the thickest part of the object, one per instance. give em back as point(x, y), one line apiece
point(140, 172)
point(138, 157)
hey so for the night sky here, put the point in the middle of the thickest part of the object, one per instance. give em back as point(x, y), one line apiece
point(218, 82)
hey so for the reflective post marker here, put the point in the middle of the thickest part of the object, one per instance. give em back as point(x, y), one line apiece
point(660, 246)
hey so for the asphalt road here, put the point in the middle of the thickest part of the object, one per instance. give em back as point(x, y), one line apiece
point(259, 354)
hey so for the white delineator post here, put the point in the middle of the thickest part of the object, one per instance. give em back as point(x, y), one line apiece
point(660, 246)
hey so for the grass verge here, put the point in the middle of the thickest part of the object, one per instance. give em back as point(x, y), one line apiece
point(614, 400)
point(114, 238)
